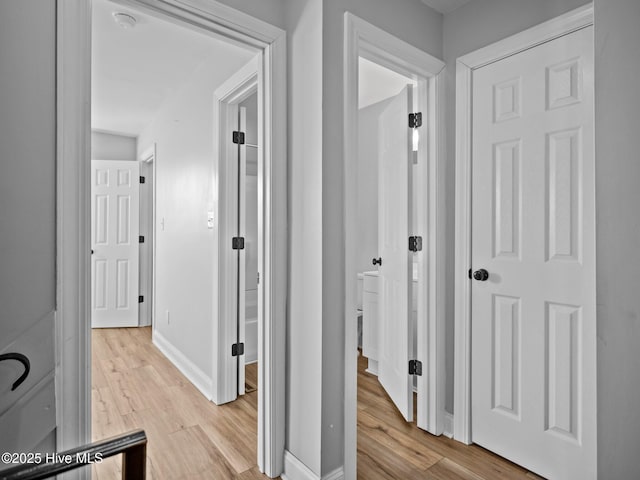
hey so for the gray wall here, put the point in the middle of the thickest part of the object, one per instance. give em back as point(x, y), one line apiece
point(466, 29)
point(270, 11)
point(420, 26)
point(617, 70)
point(109, 146)
point(27, 204)
point(305, 316)
point(27, 165)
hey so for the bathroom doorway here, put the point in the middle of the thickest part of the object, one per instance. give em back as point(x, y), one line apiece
point(393, 228)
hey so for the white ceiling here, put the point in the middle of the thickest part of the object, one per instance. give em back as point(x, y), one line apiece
point(445, 6)
point(135, 70)
point(377, 83)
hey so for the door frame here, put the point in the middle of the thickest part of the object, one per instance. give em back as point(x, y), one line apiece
point(148, 161)
point(364, 39)
point(564, 24)
point(232, 92)
point(73, 108)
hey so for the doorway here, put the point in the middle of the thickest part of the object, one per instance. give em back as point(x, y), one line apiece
point(264, 40)
point(366, 41)
point(386, 193)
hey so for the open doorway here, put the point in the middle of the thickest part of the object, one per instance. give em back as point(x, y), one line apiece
point(387, 217)
point(153, 88)
point(386, 193)
point(398, 218)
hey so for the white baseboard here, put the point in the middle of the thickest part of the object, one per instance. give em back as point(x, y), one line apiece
point(337, 474)
point(448, 425)
point(372, 367)
point(196, 376)
point(294, 469)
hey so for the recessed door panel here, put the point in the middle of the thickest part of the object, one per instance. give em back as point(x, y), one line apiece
point(563, 367)
point(564, 166)
point(124, 219)
point(100, 282)
point(507, 190)
point(506, 355)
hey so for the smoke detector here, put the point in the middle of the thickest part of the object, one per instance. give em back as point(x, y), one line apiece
point(124, 20)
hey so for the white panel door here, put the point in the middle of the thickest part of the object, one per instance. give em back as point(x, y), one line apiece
point(533, 231)
point(395, 273)
point(114, 243)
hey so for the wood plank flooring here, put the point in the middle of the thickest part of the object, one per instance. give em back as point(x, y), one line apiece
point(135, 386)
point(389, 448)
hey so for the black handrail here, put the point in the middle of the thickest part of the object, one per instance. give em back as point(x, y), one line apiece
point(132, 445)
point(24, 361)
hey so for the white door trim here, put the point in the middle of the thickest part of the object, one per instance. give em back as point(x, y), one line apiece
point(364, 39)
point(225, 114)
point(73, 382)
point(148, 157)
point(554, 28)
point(73, 223)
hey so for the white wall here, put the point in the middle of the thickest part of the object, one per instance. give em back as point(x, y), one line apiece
point(27, 181)
point(475, 25)
point(420, 26)
point(617, 70)
point(185, 248)
point(109, 146)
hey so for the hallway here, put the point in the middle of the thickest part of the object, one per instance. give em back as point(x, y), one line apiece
point(135, 386)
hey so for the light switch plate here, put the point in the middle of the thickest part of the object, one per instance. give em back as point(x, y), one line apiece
point(209, 219)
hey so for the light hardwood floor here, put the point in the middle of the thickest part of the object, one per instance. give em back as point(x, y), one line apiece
point(389, 448)
point(135, 386)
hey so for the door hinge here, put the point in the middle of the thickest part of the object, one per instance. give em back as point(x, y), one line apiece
point(237, 243)
point(415, 120)
point(415, 367)
point(238, 137)
point(141, 239)
point(140, 298)
point(142, 179)
point(415, 244)
point(258, 278)
point(237, 349)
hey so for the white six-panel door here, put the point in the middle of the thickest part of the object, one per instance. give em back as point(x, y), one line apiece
point(533, 319)
point(114, 242)
point(395, 273)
